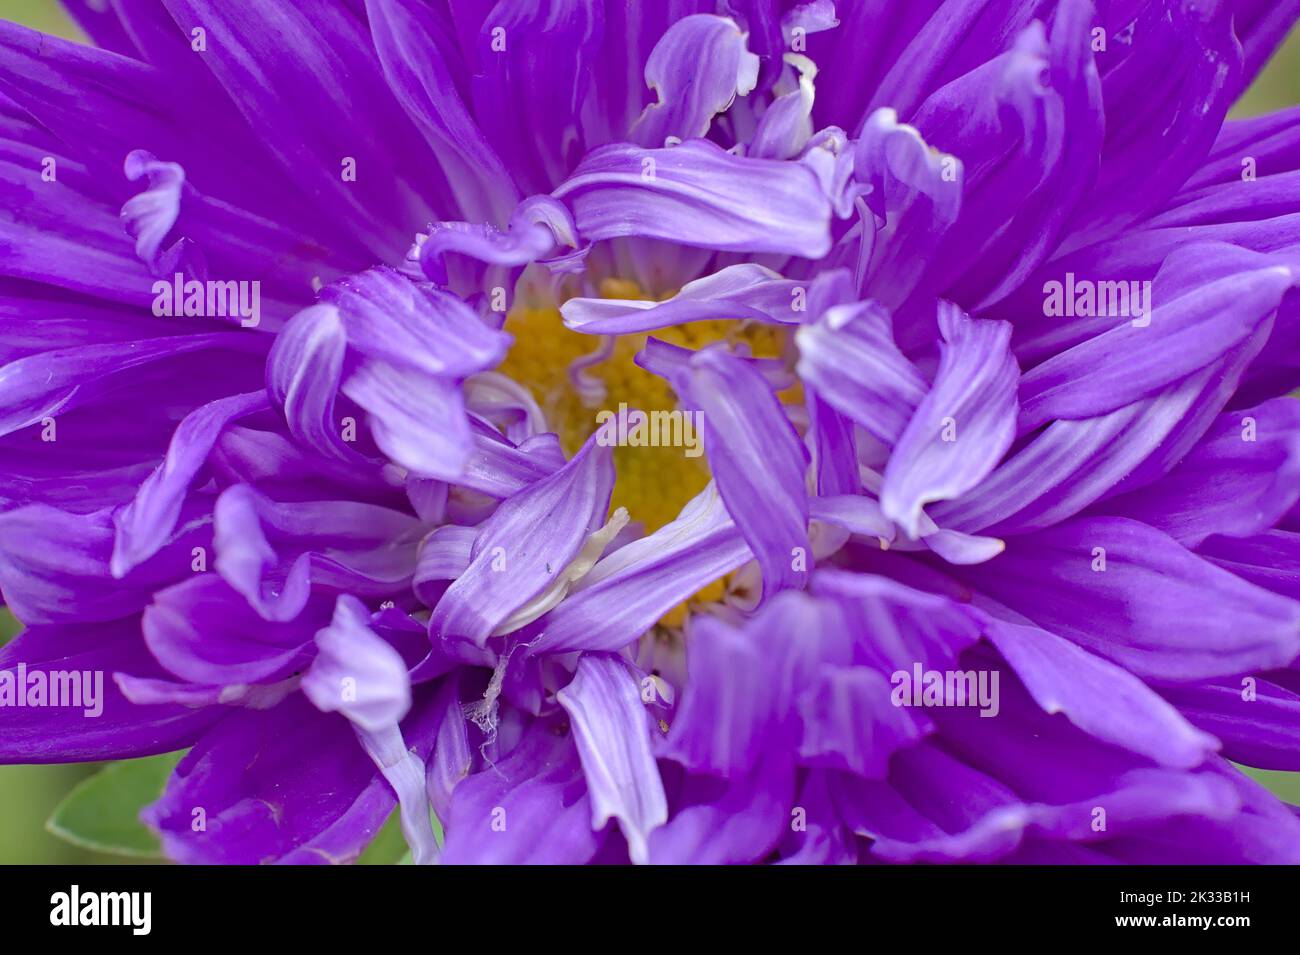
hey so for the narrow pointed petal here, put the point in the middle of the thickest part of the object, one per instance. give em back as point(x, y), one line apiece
point(1239, 481)
point(1100, 698)
point(744, 422)
point(1209, 299)
point(1122, 612)
point(611, 730)
point(962, 427)
point(629, 590)
point(527, 542)
point(413, 46)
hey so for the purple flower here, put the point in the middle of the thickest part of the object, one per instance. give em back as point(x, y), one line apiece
point(792, 434)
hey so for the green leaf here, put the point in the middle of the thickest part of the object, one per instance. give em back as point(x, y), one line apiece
point(9, 626)
point(103, 812)
point(388, 845)
point(1283, 785)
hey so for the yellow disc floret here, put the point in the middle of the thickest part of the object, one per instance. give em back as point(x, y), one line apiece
point(653, 482)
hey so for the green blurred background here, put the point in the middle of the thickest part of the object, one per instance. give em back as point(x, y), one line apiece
point(28, 794)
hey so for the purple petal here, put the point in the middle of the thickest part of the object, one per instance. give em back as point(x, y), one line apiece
point(1123, 612)
point(740, 292)
point(728, 822)
point(850, 357)
point(444, 555)
point(1181, 70)
point(1254, 718)
point(1271, 559)
point(916, 818)
point(834, 448)
point(273, 59)
point(54, 381)
point(272, 552)
point(413, 46)
point(696, 69)
point(205, 632)
point(537, 227)
point(303, 374)
point(958, 548)
point(745, 422)
point(891, 626)
point(699, 195)
point(1102, 699)
point(626, 592)
point(54, 566)
point(732, 708)
point(362, 676)
point(962, 427)
point(150, 215)
point(413, 325)
point(120, 729)
point(418, 421)
point(531, 807)
point(823, 839)
point(356, 672)
point(525, 545)
point(850, 722)
point(915, 197)
point(289, 784)
point(144, 525)
point(856, 513)
point(1071, 464)
point(499, 468)
point(611, 730)
point(1210, 298)
point(530, 80)
point(786, 126)
point(451, 758)
point(1240, 480)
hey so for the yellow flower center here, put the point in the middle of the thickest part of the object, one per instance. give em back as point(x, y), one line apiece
point(654, 482)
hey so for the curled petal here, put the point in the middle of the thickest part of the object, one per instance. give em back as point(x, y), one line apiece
point(145, 524)
point(150, 215)
point(697, 68)
point(850, 357)
point(363, 677)
point(698, 194)
point(537, 227)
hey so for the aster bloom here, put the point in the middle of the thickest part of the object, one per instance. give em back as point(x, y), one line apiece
point(650, 415)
